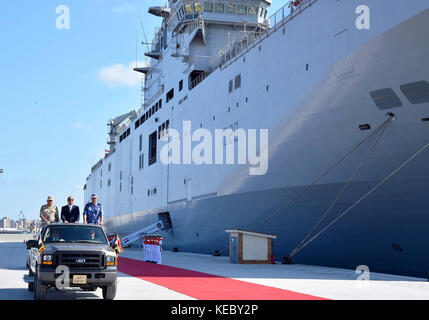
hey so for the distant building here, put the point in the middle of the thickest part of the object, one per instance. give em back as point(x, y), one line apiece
point(5, 223)
point(13, 224)
point(25, 223)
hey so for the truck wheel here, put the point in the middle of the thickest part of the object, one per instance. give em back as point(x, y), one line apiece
point(39, 288)
point(109, 292)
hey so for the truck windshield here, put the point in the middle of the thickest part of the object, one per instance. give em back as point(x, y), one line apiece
point(74, 234)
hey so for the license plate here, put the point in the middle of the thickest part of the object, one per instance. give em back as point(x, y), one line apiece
point(79, 279)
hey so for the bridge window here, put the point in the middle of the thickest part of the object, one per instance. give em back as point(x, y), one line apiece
point(230, 8)
point(253, 10)
point(198, 7)
point(180, 85)
point(241, 9)
point(208, 6)
point(188, 8)
point(219, 7)
point(230, 86)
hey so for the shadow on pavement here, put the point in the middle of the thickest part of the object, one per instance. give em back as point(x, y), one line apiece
point(14, 256)
point(15, 294)
point(72, 294)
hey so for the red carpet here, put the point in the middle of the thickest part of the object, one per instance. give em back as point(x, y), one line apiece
point(205, 286)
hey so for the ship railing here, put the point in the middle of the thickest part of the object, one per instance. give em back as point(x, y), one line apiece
point(241, 42)
point(199, 62)
point(174, 17)
point(179, 16)
point(156, 41)
point(97, 165)
point(197, 23)
point(154, 97)
point(153, 82)
point(198, 80)
point(281, 17)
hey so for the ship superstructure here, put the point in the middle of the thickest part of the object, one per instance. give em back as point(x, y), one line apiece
point(320, 85)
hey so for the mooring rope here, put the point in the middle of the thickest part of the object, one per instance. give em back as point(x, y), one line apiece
point(346, 185)
point(299, 194)
point(364, 197)
point(333, 166)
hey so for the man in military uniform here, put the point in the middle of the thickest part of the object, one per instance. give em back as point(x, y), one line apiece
point(93, 212)
point(49, 212)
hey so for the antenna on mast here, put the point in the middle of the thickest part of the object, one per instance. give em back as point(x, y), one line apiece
point(145, 38)
point(137, 40)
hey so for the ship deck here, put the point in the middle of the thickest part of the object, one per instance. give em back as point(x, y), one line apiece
point(187, 276)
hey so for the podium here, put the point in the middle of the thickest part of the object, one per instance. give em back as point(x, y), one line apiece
point(250, 247)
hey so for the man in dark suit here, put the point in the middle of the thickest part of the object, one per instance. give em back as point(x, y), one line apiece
point(70, 213)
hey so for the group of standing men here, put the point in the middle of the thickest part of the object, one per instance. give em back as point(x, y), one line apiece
point(92, 214)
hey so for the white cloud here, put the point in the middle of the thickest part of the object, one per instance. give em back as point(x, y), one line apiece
point(82, 126)
point(126, 8)
point(78, 125)
point(119, 75)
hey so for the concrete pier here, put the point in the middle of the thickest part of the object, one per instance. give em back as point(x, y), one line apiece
point(186, 276)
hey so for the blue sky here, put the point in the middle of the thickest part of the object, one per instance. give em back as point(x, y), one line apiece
point(58, 88)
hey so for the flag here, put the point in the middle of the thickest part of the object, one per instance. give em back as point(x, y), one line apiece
point(119, 247)
point(41, 246)
point(115, 242)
